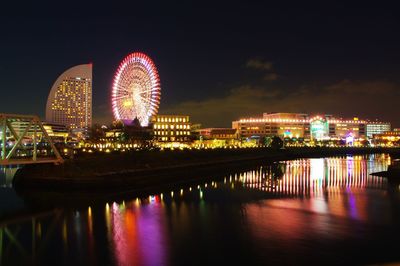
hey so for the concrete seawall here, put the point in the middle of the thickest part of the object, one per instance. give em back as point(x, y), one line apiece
point(153, 168)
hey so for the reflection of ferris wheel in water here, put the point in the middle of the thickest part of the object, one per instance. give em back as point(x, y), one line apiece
point(136, 89)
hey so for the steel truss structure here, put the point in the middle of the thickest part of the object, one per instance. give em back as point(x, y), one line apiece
point(32, 127)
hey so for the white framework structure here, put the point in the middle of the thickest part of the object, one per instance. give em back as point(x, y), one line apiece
point(136, 89)
point(70, 99)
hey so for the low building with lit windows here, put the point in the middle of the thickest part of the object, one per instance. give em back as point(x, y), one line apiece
point(171, 128)
point(347, 128)
point(319, 128)
point(390, 138)
point(285, 125)
point(356, 128)
point(373, 128)
point(216, 138)
point(217, 133)
point(316, 128)
point(56, 131)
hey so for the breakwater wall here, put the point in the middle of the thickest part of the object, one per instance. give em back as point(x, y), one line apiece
point(142, 169)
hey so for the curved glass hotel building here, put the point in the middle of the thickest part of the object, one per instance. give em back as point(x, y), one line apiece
point(70, 100)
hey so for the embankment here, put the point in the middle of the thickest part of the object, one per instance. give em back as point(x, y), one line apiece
point(144, 169)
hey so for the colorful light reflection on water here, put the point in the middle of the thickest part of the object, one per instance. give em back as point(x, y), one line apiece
point(296, 212)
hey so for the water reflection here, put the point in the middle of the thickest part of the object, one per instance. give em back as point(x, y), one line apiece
point(312, 177)
point(257, 216)
point(9, 200)
point(6, 175)
point(136, 233)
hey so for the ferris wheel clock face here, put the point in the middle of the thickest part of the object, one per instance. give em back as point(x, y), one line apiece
point(136, 89)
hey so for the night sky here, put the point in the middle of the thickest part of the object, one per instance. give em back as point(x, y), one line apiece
point(217, 62)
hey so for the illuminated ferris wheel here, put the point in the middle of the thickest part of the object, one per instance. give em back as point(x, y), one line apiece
point(136, 89)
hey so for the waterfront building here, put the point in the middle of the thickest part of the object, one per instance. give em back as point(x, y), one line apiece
point(319, 128)
point(355, 128)
point(216, 138)
point(347, 128)
point(171, 128)
point(113, 134)
point(390, 138)
point(286, 125)
point(218, 133)
point(56, 131)
point(296, 125)
point(377, 128)
point(298, 116)
point(195, 131)
point(70, 99)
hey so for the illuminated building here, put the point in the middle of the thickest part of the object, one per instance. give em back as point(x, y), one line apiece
point(195, 130)
point(70, 99)
point(390, 138)
point(217, 133)
point(171, 128)
point(290, 125)
point(56, 131)
point(377, 128)
point(319, 128)
point(293, 116)
point(346, 128)
point(113, 134)
point(293, 125)
point(216, 137)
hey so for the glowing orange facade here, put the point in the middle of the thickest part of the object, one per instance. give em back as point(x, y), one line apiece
point(70, 99)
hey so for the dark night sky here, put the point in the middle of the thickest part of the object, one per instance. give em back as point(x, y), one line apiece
point(217, 62)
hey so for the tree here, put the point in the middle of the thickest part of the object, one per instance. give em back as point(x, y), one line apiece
point(96, 132)
point(277, 170)
point(117, 124)
point(365, 143)
point(267, 141)
point(276, 143)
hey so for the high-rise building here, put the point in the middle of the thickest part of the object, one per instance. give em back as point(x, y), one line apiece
point(70, 99)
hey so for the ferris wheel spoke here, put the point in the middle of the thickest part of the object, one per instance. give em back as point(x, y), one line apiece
point(149, 90)
point(148, 101)
point(121, 93)
point(119, 97)
point(122, 89)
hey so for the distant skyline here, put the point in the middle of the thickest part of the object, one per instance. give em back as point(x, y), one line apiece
point(217, 62)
